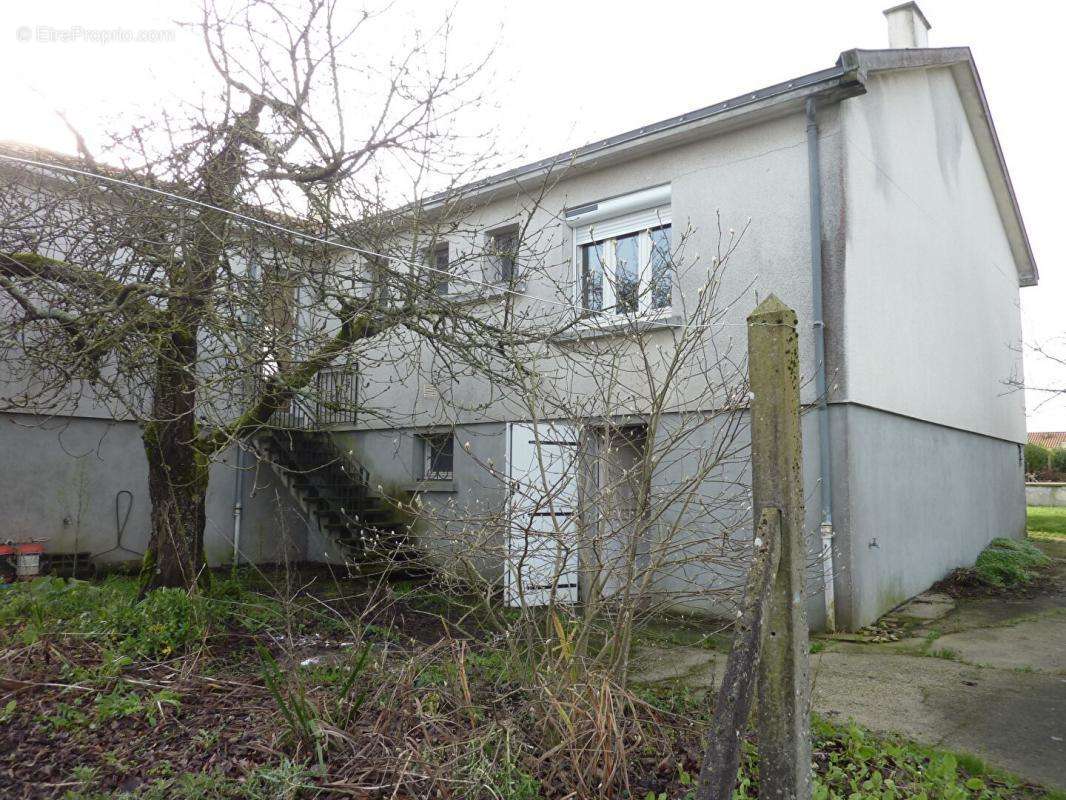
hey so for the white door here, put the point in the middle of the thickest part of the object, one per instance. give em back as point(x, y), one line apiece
point(542, 553)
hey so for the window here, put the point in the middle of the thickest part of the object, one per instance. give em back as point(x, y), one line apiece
point(439, 261)
point(622, 253)
point(662, 265)
point(438, 456)
point(628, 273)
point(503, 249)
point(373, 282)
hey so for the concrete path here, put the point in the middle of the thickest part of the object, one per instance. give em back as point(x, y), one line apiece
point(984, 676)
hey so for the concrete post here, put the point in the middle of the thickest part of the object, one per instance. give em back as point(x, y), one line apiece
point(721, 755)
point(783, 715)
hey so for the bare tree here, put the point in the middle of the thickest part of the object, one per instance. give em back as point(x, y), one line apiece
point(202, 284)
point(1053, 353)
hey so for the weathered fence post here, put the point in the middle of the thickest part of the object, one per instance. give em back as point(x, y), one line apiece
point(721, 755)
point(783, 722)
point(770, 647)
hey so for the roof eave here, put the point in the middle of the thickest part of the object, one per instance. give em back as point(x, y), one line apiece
point(832, 84)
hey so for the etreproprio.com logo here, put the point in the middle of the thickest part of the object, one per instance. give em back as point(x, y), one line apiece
point(50, 34)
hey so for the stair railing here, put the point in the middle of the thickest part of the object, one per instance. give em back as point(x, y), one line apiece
point(299, 414)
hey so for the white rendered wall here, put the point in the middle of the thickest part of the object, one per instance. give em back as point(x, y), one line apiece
point(753, 178)
point(932, 322)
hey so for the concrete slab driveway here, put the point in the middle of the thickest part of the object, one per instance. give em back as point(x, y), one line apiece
point(985, 676)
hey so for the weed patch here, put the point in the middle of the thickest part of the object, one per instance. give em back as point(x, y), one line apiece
point(1007, 563)
point(854, 764)
point(164, 623)
point(945, 653)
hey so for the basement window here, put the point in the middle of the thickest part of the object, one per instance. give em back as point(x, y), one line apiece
point(438, 456)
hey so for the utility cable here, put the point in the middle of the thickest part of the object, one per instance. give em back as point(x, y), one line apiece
point(333, 243)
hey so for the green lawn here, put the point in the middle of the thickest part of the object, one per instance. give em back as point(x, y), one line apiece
point(1047, 520)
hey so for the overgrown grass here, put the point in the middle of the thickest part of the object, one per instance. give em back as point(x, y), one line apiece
point(1050, 521)
point(282, 781)
point(164, 623)
point(1008, 563)
point(464, 715)
point(673, 630)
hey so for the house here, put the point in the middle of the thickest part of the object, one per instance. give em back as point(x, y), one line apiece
point(880, 209)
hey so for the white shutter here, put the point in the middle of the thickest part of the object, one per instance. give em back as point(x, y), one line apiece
point(542, 554)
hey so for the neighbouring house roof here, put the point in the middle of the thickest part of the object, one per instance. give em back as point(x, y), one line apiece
point(34, 152)
point(1049, 439)
point(846, 78)
point(22, 156)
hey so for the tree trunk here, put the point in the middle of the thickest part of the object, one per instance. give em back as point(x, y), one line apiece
point(177, 472)
point(175, 554)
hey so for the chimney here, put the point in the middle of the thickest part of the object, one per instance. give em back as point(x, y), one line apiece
point(907, 26)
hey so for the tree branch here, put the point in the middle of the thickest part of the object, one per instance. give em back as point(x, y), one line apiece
point(285, 384)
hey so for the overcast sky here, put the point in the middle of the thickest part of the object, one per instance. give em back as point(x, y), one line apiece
point(570, 72)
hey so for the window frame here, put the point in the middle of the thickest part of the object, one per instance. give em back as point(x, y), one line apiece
point(496, 256)
point(607, 232)
point(428, 472)
point(440, 284)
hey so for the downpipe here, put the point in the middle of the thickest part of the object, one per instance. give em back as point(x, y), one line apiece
point(238, 479)
point(238, 507)
point(827, 576)
point(824, 465)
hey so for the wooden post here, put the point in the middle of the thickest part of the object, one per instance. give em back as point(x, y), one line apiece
point(783, 714)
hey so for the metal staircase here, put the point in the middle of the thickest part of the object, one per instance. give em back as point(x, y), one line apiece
point(333, 489)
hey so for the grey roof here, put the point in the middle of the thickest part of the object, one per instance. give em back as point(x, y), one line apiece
point(809, 81)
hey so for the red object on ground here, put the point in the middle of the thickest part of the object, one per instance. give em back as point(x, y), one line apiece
point(26, 557)
point(21, 548)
